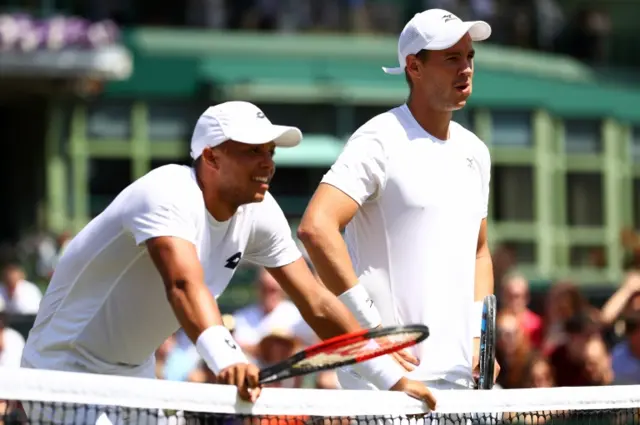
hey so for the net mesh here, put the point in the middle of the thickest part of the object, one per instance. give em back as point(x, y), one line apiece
point(47, 397)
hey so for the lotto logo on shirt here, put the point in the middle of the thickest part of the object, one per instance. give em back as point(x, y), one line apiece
point(233, 261)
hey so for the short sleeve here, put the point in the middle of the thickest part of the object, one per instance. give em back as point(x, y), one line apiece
point(271, 242)
point(484, 161)
point(162, 210)
point(360, 170)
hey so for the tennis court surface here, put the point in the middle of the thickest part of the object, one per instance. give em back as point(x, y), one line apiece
point(68, 398)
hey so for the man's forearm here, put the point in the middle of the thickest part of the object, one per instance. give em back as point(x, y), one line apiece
point(329, 317)
point(194, 307)
point(484, 284)
point(198, 313)
point(330, 257)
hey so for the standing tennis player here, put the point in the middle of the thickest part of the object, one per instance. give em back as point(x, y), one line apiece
point(161, 253)
point(411, 190)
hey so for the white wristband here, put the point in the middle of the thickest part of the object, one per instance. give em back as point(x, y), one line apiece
point(476, 319)
point(383, 371)
point(360, 304)
point(218, 349)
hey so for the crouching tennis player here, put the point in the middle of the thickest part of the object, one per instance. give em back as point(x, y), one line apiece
point(158, 256)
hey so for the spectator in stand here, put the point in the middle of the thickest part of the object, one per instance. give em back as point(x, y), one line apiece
point(564, 301)
point(598, 362)
point(569, 358)
point(513, 351)
point(276, 345)
point(11, 342)
point(162, 353)
point(515, 300)
point(540, 374)
point(624, 301)
point(626, 354)
point(20, 296)
point(272, 305)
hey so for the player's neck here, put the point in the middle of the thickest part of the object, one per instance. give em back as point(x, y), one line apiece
point(434, 122)
point(219, 210)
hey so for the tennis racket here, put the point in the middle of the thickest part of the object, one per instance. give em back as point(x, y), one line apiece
point(487, 343)
point(345, 350)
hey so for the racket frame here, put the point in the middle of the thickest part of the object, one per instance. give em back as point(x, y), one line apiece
point(488, 343)
point(287, 368)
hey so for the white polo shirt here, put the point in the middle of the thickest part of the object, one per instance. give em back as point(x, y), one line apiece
point(106, 310)
point(413, 241)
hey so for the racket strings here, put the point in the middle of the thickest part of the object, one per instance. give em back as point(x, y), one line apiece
point(367, 348)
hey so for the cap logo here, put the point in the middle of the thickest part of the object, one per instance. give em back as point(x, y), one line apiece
point(449, 17)
point(260, 114)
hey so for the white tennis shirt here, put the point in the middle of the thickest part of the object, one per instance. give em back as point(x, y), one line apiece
point(106, 310)
point(413, 241)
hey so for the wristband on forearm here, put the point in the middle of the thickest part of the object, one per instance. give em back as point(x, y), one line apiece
point(218, 349)
point(361, 306)
point(383, 371)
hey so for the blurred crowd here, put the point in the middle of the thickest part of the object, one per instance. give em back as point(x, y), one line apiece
point(545, 25)
point(571, 342)
point(530, 24)
point(564, 341)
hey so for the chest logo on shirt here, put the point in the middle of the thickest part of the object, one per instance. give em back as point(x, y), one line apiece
point(470, 162)
point(233, 261)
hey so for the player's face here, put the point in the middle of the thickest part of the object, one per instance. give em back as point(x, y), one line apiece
point(244, 171)
point(446, 76)
point(516, 295)
point(541, 375)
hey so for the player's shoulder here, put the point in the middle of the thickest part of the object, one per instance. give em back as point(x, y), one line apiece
point(169, 182)
point(170, 172)
point(383, 128)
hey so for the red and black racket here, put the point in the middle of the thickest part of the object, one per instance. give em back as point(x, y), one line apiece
point(346, 350)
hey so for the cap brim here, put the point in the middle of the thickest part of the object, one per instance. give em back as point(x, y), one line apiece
point(393, 71)
point(282, 136)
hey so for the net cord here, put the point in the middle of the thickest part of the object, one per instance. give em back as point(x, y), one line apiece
point(67, 387)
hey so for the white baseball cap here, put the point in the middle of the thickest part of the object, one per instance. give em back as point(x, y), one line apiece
point(241, 122)
point(435, 29)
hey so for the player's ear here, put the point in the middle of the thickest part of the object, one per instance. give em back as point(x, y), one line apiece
point(211, 157)
point(412, 66)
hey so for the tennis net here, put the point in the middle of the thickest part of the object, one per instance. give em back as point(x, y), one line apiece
point(48, 397)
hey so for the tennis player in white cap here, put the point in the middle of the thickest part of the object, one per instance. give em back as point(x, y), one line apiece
point(158, 256)
point(411, 190)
